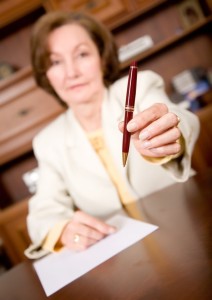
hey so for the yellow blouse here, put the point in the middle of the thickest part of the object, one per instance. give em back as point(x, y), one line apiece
point(97, 141)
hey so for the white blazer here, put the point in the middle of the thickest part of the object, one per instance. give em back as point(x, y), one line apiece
point(71, 174)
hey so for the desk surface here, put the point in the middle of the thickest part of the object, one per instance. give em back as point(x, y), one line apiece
point(174, 262)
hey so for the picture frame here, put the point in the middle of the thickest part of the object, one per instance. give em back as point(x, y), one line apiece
point(190, 13)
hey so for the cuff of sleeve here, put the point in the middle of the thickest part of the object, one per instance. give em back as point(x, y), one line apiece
point(166, 159)
point(51, 242)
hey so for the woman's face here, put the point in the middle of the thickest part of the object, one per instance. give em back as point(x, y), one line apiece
point(75, 70)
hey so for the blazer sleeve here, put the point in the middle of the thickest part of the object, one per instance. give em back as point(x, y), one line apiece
point(51, 204)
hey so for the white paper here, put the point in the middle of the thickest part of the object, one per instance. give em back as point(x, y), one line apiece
point(58, 269)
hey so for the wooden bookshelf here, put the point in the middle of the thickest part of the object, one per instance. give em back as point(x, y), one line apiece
point(167, 43)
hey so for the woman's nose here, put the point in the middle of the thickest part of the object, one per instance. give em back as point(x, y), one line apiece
point(71, 69)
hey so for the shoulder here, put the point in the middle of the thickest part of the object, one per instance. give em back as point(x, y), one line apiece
point(52, 133)
point(146, 77)
point(52, 128)
point(147, 81)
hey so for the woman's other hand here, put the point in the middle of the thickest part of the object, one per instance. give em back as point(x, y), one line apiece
point(155, 131)
point(84, 231)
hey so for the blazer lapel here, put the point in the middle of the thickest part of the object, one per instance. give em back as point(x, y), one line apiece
point(80, 150)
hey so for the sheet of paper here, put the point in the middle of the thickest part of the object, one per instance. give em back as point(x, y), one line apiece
point(58, 269)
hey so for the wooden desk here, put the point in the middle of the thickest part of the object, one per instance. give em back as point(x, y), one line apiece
point(172, 263)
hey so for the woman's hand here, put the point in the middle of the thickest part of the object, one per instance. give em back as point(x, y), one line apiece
point(155, 132)
point(83, 231)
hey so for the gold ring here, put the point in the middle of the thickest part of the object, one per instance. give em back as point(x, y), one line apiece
point(76, 238)
point(178, 119)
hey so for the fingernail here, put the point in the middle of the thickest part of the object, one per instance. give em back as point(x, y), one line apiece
point(131, 126)
point(144, 135)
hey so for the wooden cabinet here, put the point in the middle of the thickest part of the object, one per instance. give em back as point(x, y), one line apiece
point(104, 10)
point(24, 110)
point(202, 158)
point(175, 48)
point(128, 20)
point(11, 10)
point(13, 231)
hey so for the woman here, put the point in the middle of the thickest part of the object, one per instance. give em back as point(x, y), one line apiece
point(81, 177)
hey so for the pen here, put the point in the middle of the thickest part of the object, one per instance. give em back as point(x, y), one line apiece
point(129, 108)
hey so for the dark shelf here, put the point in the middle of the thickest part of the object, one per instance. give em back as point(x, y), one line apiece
point(166, 43)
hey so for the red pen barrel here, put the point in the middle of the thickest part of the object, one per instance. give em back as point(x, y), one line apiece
point(127, 135)
point(129, 109)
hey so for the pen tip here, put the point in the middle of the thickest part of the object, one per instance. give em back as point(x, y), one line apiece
point(124, 158)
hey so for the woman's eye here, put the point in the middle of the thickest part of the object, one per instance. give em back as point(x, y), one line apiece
point(55, 62)
point(83, 54)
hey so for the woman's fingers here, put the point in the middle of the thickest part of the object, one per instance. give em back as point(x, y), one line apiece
point(170, 149)
point(164, 144)
point(160, 151)
point(147, 117)
point(166, 138)
point(151, 122)
point(84, 231)
point(163, 124)
point(155, 131)
point(79, 242)
point(93, 222)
